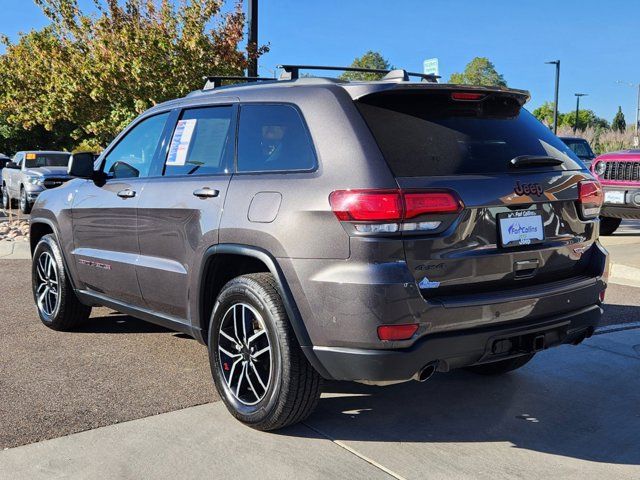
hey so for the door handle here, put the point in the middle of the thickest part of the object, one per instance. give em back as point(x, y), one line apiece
point(206, 192)
point(127, 193)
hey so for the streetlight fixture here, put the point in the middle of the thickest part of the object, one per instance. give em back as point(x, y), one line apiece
point(636, 141)
point(555, 101)
point(578, 95)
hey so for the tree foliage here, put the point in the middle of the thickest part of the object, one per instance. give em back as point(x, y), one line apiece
point(479, 71)
point(586, 118)
point(95, 72)
point(368, 60)
point(619, 124)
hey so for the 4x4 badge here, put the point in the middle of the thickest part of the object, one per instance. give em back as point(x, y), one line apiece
point(528, 189)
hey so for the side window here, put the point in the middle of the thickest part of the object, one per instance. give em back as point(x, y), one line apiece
point(273, 138)
point(132, 156)
point(18, 159)
point(201, 143)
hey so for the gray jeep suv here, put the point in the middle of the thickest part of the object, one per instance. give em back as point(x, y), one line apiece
point(311, 228)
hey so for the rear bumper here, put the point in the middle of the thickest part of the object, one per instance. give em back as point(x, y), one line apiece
point(629, 210)
point(458, 349)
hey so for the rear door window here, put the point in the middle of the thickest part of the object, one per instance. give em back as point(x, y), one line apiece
point(273, 138)
point(429, 134)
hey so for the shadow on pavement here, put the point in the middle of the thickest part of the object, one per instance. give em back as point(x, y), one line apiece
point(118, 323)
point(581, 408)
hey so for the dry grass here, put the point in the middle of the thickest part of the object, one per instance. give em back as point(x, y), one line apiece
point(603, 140)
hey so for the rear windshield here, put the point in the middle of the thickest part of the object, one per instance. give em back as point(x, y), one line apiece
point(427, 134)
point(47, 160)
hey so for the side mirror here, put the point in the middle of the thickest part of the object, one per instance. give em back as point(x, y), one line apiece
point(12, 166)
point(81, 165)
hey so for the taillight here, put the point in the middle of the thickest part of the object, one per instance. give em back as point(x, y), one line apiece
point(430, 202)
point(367, 205)
point(397, 332)
point(590, 198)
point(387, 210)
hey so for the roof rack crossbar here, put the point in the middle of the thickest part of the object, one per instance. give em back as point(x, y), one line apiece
point(292, 72)
point(215, 81)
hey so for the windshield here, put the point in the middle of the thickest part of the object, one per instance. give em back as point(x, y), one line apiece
point(37, 160)
point(580, 147)
point(426, 134)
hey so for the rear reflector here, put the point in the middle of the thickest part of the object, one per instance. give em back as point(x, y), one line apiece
point(590, 198)
point(390, 205)
point(397, 332)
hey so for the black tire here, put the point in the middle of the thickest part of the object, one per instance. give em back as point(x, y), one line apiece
point(25, 205)
point(502, 366)
point(609, 225)
point(6, 202)
point(292, 387)
point(68, 312)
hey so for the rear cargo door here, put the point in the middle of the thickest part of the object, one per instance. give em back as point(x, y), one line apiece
point(520, 224)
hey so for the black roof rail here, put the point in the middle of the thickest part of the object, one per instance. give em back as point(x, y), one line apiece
point(292, 72)
point(216, 80)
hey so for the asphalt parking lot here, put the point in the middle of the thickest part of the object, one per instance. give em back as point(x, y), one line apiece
point(117, 368)
point(114, 369)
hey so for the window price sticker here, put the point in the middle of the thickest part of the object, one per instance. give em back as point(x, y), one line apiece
point(180, 143)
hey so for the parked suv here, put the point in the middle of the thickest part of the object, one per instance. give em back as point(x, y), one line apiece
point(29, 174)
point(314, 228)
point(619, 174)
point(581, 148)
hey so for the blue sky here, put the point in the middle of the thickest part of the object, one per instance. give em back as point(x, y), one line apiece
point(597, 42)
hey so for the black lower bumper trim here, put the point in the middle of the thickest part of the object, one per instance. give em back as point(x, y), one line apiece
point(458, 349)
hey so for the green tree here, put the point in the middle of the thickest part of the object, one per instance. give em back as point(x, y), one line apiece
point(586, 118)
point(480, 71)
point(96, 72)
point(368, 60)
point(544, 113)
point(619, 124)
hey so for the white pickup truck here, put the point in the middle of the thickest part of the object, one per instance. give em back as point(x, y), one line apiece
point(31, 172)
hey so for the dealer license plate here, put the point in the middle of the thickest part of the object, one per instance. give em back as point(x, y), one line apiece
point(520, 228)
point(614, 196)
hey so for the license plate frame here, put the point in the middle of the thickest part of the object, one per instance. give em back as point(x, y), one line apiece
point(527, 228)
point(614, 197)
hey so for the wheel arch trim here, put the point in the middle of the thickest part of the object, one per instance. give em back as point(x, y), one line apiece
point(56, 234)
point(290, 306)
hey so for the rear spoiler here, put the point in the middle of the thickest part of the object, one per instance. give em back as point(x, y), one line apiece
point(357, 91)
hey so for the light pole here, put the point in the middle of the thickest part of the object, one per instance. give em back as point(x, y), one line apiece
point(252, 40)
point(636, 141)
point(555, 98)
point(578, 95)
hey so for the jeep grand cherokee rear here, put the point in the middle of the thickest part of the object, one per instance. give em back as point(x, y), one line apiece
point(483, 254)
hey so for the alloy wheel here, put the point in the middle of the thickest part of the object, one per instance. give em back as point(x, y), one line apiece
point(47, 284)
point(245, 353)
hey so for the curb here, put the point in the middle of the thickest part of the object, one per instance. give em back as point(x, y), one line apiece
point(14, 250)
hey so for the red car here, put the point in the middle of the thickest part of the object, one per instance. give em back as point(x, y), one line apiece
point(619, 173)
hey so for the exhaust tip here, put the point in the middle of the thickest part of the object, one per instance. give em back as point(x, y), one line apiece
point(426, 372)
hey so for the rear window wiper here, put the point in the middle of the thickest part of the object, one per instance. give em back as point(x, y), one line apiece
point(534, 161)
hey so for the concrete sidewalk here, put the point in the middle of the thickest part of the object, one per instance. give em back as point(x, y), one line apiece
point(573, 412)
